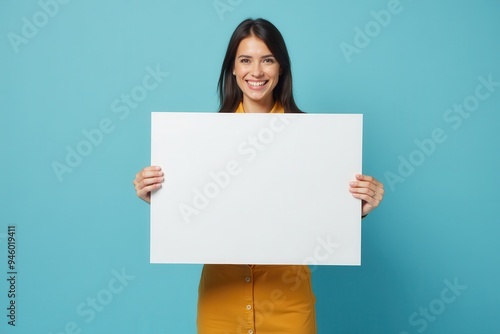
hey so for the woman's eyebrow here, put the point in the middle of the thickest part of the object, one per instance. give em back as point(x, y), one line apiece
point(265, 56)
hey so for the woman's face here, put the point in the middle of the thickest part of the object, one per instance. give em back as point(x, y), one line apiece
point(257, 71)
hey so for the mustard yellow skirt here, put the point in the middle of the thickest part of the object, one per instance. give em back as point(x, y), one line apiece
point(256, 299)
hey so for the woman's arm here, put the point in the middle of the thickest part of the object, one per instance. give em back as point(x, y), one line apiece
point(148, 179)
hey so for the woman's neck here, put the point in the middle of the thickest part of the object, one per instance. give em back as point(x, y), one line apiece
point(251, 106)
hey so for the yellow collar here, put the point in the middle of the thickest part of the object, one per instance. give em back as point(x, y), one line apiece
point(277, 109)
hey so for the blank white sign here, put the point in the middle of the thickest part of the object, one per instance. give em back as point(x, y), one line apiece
point(256, 188)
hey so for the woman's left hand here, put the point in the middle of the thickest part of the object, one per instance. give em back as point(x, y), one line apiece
point(368, 190)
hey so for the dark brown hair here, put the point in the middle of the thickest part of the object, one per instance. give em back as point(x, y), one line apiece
point(230, 94)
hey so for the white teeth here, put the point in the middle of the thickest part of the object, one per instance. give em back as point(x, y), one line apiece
point(256, 84)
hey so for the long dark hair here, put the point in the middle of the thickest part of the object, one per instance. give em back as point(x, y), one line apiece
point(230, 94)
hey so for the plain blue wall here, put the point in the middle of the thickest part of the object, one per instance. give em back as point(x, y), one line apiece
point(438, 224)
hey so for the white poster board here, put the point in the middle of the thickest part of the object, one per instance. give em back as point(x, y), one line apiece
point(256, 188)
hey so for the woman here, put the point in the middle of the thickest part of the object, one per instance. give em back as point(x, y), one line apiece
point(256, 77)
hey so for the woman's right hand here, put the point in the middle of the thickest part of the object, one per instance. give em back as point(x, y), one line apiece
point(147, 180)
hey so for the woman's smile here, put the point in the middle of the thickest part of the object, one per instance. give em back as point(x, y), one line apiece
point(256, 85)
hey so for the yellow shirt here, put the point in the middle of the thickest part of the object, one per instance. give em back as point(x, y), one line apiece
point(256, 299)
point(277, 109)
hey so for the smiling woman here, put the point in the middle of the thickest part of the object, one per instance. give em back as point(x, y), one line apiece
point(257, 73)
point(256, 77)
point(256, 70)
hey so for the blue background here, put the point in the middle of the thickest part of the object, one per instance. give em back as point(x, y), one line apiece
point(77, 231)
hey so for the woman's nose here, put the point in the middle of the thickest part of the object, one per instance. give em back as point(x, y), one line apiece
point(257, 70)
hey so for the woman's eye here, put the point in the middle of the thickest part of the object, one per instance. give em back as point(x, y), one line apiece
point(245, 61)
point(269, 60)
